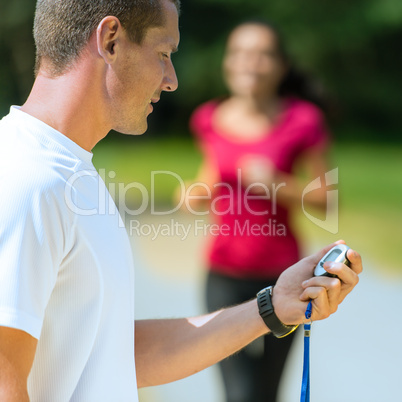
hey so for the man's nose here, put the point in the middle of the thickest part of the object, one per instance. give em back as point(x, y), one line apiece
point(170, 82)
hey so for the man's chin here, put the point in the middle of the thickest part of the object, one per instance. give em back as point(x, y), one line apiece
point(133, 131)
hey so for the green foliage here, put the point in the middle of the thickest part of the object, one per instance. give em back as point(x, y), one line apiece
point(352, 47)
point(17, 52)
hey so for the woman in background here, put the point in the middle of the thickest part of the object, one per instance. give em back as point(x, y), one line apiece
point(251, 141)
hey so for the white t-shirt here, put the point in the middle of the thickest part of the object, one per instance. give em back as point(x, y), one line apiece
point(66, 269)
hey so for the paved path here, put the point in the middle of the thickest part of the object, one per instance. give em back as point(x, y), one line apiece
point(356, 354)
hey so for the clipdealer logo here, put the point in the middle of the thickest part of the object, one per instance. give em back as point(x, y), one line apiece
point(199, 227)
point(331, 221)
point(102, 203)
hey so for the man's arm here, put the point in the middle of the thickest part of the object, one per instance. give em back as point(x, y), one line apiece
point(168, 350)
point(17, 351)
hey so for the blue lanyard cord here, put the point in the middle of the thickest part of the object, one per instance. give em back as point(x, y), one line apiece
point(305, 390)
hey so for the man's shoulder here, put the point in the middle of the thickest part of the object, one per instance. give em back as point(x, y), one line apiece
point(30, 171)
point(25, 156)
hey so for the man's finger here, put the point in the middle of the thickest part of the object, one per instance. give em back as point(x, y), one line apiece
point(355, 260)
point(346, 274)
point(320, 302)
point(332, 286)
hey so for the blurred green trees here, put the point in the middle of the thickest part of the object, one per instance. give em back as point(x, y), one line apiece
point(17, 52)
point(354, 48)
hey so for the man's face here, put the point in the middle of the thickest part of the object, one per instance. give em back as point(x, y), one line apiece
point(142, 73)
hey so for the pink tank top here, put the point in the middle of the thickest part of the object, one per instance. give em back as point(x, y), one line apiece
point(252, 237)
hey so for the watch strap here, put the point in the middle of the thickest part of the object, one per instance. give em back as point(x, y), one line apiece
point(267, 313)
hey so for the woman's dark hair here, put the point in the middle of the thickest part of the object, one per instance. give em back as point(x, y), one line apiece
point(300, 84)
point(296, 82)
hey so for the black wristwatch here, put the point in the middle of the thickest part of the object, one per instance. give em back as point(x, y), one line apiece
point(266, 309)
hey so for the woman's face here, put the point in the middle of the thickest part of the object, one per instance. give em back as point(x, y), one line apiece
point(253, 65)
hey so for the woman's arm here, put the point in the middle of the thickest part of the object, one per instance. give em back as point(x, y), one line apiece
point(288, 188)
point(199, 191)
point(312, 164)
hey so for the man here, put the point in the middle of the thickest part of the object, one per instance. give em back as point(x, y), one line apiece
point(66, 273)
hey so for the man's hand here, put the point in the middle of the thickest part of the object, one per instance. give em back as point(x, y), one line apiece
point(297, 286)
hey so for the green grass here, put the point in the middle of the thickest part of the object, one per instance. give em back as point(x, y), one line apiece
point(370, 189)
point(136, 160)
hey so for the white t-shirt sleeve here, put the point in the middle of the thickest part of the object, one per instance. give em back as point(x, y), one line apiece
point(32, 246)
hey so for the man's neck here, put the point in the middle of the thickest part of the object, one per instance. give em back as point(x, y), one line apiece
point(71, 104)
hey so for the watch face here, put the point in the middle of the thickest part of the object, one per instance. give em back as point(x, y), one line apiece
point(332, 256)
point(337, 254)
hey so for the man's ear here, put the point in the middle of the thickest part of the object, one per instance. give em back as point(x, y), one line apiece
point(108, 33)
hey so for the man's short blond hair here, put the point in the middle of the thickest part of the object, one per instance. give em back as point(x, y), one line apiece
point(62, 28)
